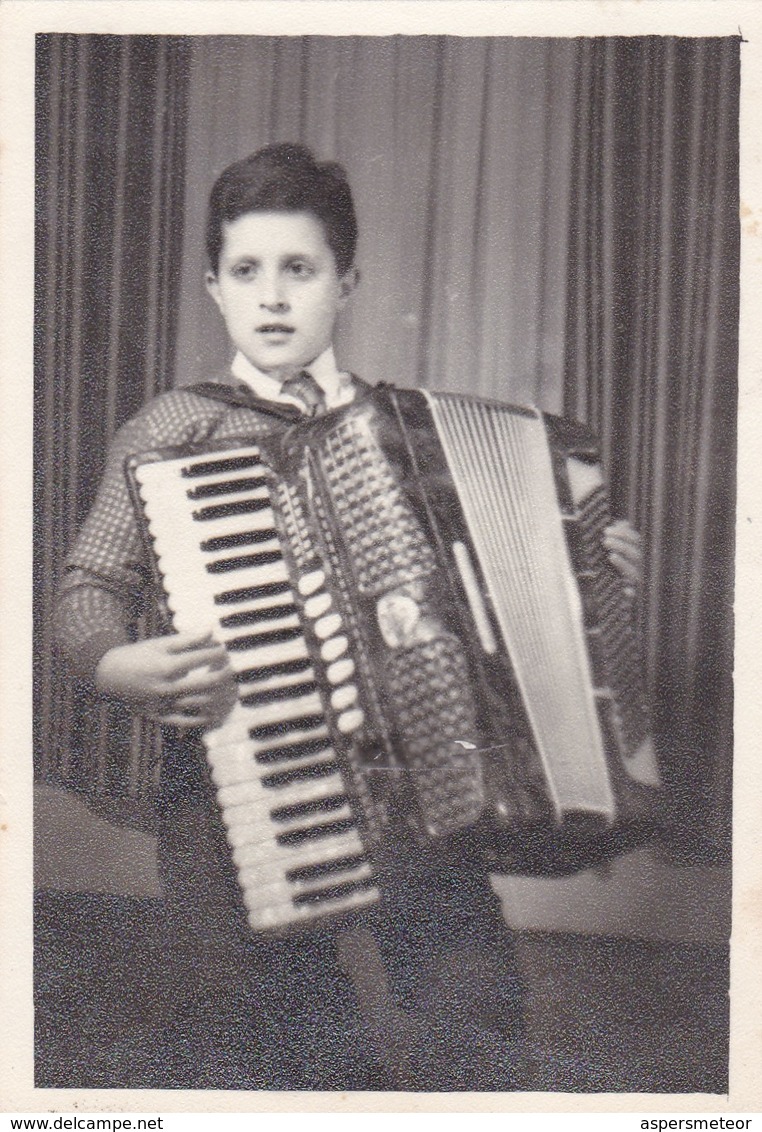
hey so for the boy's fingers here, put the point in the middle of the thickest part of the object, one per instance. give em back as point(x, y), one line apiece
point(184, 722)
point(625, 566)
point(203, 679)
point(185, 642)
point(212, 661)
point(191, 704)
point(622, 531)
point(198, 701)
point(190, 718)
point(631, 550)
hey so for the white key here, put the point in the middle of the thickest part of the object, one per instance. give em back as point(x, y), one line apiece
point(264, 920)
point(273, 890)
point(233, 767)
point(340, 671)
point(349, 721)
point(318, 605)
point(284, 680)
point(232, 734)
point(250, 824)
point(304, 853)
point(285, 710)
point(206, 529)
point(327, 626)
point(249, 576)
point(210, 558)
point(253, 604)
point(232, 476)
point(334, 648)
point(254, 793)
point(309, 583)
point(296, 793)
point(232, 633)
point(251, 852)
point(343, 697)
point(262, 656)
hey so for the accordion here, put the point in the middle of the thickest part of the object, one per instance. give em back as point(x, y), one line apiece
point(429, 641)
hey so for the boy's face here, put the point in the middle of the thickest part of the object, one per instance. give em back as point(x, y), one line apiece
point(278, 289)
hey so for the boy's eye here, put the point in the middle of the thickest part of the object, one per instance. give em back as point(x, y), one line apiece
point(244, 270)
point(300, 269)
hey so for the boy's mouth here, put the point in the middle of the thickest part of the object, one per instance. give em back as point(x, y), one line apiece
point(275, 328)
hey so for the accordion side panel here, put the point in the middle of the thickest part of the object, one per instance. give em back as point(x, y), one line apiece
point(297, 830)
point(609, 617)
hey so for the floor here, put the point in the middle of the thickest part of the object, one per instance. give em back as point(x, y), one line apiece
point(603, 1015)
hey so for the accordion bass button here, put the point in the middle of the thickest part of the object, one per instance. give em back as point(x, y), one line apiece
point(327, 626)
point(343, 697)
point(309, 583)
point(333, 649)
point(340, 671)
point(349, 721)
point(318, 605)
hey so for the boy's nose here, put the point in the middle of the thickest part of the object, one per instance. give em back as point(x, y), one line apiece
point(272, 296)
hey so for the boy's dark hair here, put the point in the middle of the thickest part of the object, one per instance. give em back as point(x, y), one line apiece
point(285, 177)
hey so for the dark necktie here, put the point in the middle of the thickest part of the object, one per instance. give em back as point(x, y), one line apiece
point(307, 391)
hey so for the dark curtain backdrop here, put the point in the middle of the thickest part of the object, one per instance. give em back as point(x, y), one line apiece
point(110, 136)
point(542, 220)
point(651, 362)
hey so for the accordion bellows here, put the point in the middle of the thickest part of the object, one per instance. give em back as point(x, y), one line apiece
point(427, 633)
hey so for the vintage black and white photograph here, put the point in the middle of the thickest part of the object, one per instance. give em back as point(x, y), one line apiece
point(385, 402)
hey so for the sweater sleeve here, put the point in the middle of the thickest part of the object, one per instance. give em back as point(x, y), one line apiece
point(103, 589)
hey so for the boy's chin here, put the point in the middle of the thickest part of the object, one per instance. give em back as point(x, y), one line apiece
point(278, 364)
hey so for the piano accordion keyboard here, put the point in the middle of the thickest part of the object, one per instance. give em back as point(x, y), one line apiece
point(289, 821)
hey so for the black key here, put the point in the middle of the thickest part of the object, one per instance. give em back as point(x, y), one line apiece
point(316, 806)
point(254, 616)
point(285, 668)
point(250, 593)
point(285, 727)
point(226, 487)
point(219, 467)
point(272, 637)
point(222, 510)
point(273, 695)
point(325, 868)
point(241, 538)
point(313, 832)
point(294, 750)
point(225, 565)
point(283, 778)
point(334, 891)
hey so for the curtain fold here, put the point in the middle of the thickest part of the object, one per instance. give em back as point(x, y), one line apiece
point(652, 364)
point(110, 134)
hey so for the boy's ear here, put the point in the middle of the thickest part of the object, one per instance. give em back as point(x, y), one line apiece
point(213, 287)
point(347, 285)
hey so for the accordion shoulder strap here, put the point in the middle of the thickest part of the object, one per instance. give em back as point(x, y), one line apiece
point(240, 396)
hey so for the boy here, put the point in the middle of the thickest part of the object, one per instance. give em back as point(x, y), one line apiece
point(281, 237)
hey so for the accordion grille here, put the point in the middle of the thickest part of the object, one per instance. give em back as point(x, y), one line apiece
point(501, 467)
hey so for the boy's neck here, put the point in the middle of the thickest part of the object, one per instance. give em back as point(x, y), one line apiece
point(334, 384)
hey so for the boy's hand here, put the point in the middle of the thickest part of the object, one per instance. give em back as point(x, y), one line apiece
point(184, 680)
point(625, 551)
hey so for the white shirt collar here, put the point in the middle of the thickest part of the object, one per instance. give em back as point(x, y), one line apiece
point(337, 386)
